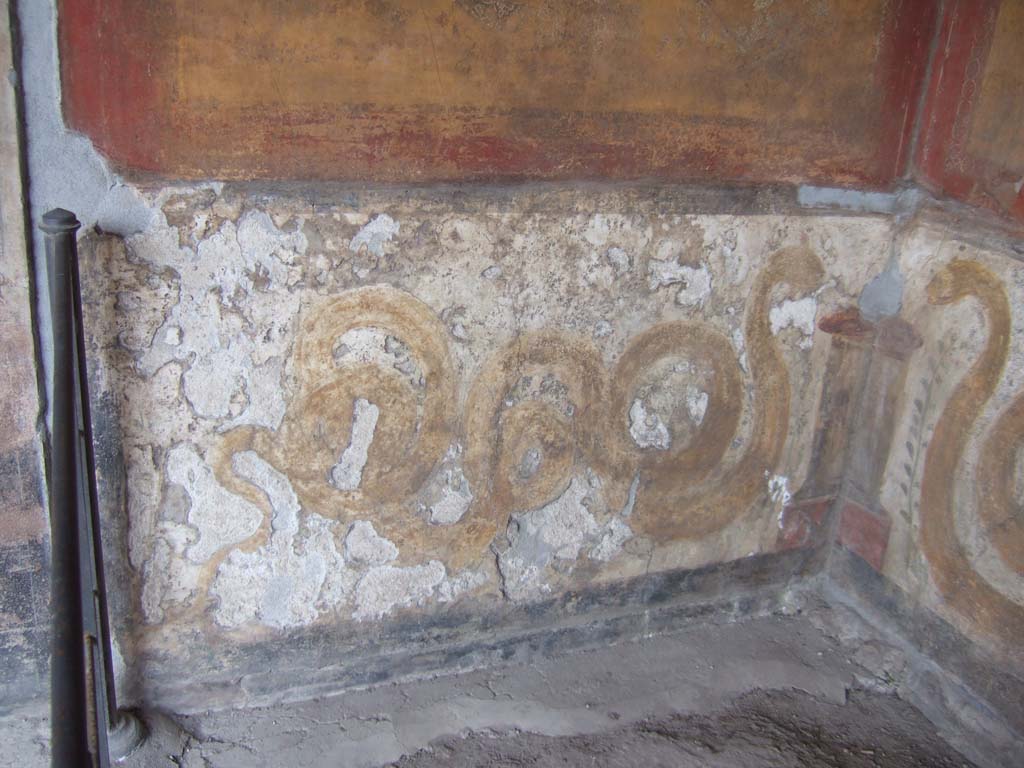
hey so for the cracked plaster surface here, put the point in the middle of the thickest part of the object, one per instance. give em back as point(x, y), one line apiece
point(216, 287)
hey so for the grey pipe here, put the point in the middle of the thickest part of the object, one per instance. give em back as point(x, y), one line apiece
point(69, 746)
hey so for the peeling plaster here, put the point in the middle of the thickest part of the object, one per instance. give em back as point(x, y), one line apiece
point(557, 533)
point(384, 588)
point(798, 314)
point(696, 404)
point(662, 272)
point(232, 339)
point(697, 286)
point(225, 319)
point(740, 343)
point(447, 496)
point(168, 577)
point(294, 578)
point(557, 530)
point(375, 235)
point(373, 346)
point(455, 499)
point(364, 545)
point(620, 260)
point(452, 588)
point(347, 474)
point(778, 491)
point(647, 429)
point(614, 534)
point(220, 518)
point(210, 312)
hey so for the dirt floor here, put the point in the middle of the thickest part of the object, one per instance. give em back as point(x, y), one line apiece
point(780, 691)
point(763, 729)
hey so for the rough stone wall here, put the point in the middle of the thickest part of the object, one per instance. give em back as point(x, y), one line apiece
point(24, 619)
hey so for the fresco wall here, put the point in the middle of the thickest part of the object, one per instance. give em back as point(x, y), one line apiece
point(338, 413)
point(969, 145)
point(953, 478)
point(402, 90)
point(346, 409)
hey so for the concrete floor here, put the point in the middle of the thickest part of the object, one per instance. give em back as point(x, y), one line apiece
point(811, 688)
point(776, 691)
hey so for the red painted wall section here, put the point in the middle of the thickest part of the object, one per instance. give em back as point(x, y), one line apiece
point(424, 90)
point(971, 144)
point(111, 89)
point(902, 72)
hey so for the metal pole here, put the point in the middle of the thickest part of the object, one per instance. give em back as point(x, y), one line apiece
point(69, 743)
point(84, 424)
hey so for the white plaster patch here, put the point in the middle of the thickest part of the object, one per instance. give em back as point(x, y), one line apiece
point(558, 530)
point(447, 496)
point(696, 404)
point(696, 286)
point(375, 235)
point(374, 346)
point(614, 534)
point(619, 259)
point(455, 499)
point(529, 463)
point(276, 486)
point(167, 577)
point(270, 248)
point(219, 517)
point(233, 316)
point(565, 523)
point(144, 482)
point(597, 230)
point(596, 271)
point(465, 235)
point(631, 499)
point(211, 395)
point(291, 580)
point(364, 545)
point(1018, 479)
point(453, 587)
point(736, 265)
point(664, 272)
point(778, 491)
point(347, 474)
point(798, 314)
point(386, 587)
point(740, 343)
point(265, 402)
point(360, 345)
point(647, 429)
point(172, 336)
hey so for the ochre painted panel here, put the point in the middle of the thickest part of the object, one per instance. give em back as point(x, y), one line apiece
point(971, 144)
point(996, 130)
point(481, 89)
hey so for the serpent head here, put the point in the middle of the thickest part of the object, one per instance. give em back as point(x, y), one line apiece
point(953, 282)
